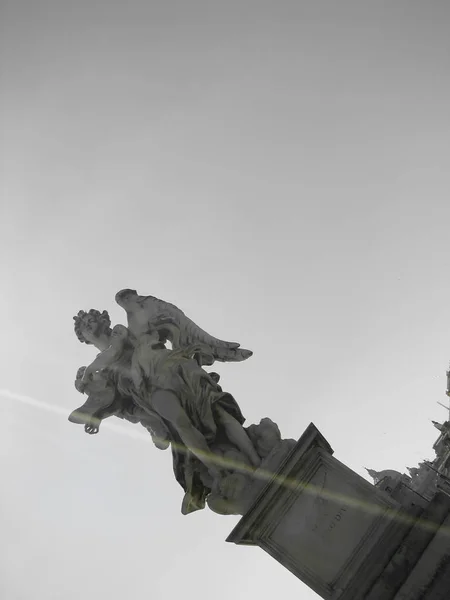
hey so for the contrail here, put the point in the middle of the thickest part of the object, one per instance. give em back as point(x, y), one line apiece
point(61, 412)
point(294, 484)
point(57, 410)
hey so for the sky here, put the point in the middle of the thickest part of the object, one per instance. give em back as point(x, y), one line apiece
point(278, 170)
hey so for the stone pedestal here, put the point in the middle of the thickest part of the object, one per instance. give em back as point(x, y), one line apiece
point(344, 537)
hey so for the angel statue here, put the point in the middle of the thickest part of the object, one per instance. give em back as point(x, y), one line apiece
point(136, 377)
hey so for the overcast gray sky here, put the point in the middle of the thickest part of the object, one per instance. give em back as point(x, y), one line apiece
point(280, 171)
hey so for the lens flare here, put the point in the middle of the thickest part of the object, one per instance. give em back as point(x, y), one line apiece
point(294, 484)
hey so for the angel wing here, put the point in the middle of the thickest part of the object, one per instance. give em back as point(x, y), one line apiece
point(144, 312)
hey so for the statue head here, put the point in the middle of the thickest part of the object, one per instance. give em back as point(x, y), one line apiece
point(89, 326)
point(120, 336)
point(125, 298)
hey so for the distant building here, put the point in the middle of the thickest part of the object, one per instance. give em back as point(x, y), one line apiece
point(429, 476)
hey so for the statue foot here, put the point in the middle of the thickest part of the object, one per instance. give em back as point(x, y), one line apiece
point(190, 504)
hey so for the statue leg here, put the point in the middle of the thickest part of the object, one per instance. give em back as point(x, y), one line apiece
point(167, 405)
point(238, 436)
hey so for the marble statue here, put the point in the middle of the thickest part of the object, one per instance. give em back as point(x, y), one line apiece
point(138, 377)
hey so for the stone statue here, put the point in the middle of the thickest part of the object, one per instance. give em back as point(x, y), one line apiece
point(167, 390)
point(394, 476)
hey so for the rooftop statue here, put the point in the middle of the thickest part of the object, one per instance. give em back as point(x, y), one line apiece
point(168, 391)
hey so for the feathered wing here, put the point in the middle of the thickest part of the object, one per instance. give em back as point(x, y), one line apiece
point(185, 332)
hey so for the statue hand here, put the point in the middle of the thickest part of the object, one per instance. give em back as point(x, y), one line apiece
point(86, 375)
point(80, 386)
point(85, 380)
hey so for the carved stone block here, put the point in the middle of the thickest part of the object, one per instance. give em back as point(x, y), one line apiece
point(323, 522)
